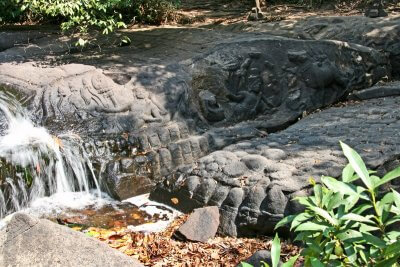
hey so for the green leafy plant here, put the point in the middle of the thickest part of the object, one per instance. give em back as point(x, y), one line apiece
point(348, 222)
point(84, 15)
point(275, 256)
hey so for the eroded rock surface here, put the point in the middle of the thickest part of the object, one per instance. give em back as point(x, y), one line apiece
point(250, 85)
point(254, 181)
point(27, 241)
point(198, 116)
point(379, 33)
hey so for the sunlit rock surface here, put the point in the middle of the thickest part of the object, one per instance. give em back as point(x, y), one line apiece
point(198, 111)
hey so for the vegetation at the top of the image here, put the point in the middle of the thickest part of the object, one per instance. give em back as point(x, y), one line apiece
point(347, 222)
point(82, 15)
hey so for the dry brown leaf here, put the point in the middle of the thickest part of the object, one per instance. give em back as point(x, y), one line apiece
point(175, 201)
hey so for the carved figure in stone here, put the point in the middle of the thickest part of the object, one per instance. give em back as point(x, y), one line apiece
point(143, 109)
point(78, 99)
point(99, 89)
point(322, 74)
point(212, 111)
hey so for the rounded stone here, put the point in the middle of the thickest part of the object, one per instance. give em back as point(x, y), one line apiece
point(191, 183)
point(234, 198)
point(235, 169)
point(212, 167)
point(276, 201)
point(274, 154)
point(255, 162)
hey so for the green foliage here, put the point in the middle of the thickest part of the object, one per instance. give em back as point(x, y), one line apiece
point(348, 223)
point(82, 15)
point(10, 11)
point(154, 11)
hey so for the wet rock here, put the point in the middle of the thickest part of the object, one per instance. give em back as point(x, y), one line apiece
point(27, 241)
point(201, 225)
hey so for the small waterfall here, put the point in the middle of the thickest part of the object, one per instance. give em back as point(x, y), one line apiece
point(34, 164)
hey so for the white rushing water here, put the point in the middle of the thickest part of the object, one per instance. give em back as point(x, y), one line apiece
point(47, 176)
point(36, 165)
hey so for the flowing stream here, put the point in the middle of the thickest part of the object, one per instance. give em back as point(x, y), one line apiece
point(36, 164)
point(52, 176)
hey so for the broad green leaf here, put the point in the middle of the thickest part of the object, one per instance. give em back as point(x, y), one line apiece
point(300, 219)
point(387, 199)
point(349, 235)
point(356, 217)
point(386, 212)
point(392, 249)
point(285, 221)
point(324, 214)
point(290, 262)
point(302, 236)
point(276, 251)
point(373, 240)
point(395, 210)
point(310, 226)
point(363, 256)
point(316, 263)
point(375, 180)
point(389, 176)
point(338, 186)
point(361, 208)
point(350, 202)
point(358, 165)
point(384, 205)
point(396, 197)
point(318, 194)
point(305, 201)
point(351, 253)
point(347, 173)
point(368, 228)
point(388, 262)
point(329, 246)
point(335, 201)
point(393, 235)
point(392, 220)
point(374, 252)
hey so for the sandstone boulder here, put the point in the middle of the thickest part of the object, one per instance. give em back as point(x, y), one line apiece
point(27, 241)
point(201, 225)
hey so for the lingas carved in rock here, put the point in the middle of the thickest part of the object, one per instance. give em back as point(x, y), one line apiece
point(143, 108)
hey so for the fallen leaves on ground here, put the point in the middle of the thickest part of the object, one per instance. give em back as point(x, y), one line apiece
point(160, 249)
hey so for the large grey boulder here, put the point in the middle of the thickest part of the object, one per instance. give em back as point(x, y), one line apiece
point(139, 132)
point(27, 241)
point(201, 225)
point(253, 182)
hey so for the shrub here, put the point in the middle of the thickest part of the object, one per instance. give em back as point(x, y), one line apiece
point(154, 11)
point(82, 15)
point(10, 11)
point(347, 223)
